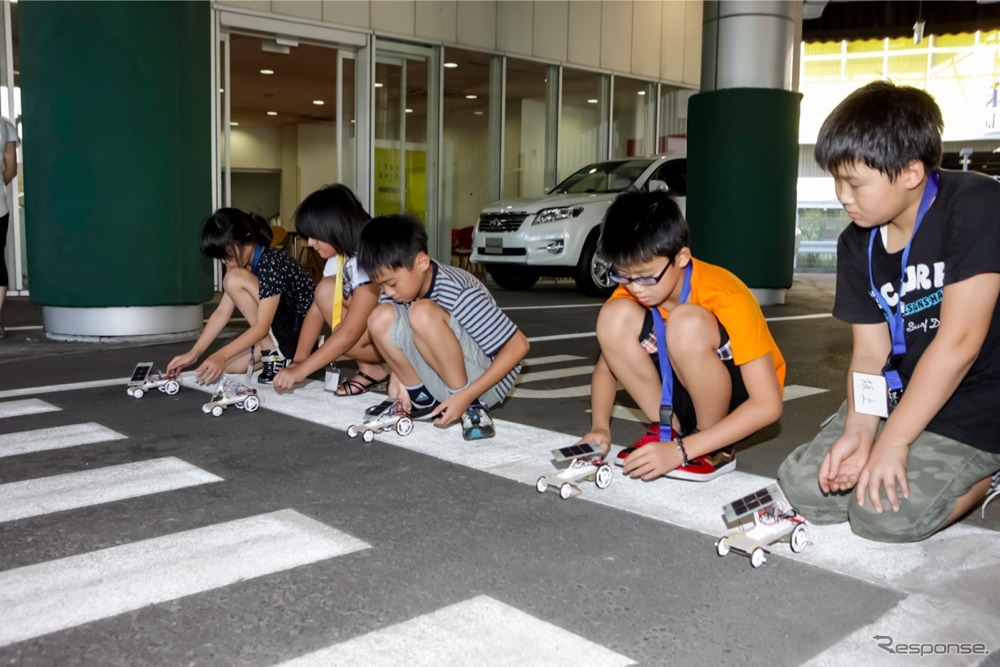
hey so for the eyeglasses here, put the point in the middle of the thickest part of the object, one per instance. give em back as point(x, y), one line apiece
point(646, 281)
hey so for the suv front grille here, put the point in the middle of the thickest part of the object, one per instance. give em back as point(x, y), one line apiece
point(501, 222)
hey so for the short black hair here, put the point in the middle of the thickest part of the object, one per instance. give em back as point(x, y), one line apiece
point(229, 228)
point(883, 126)
point(390, 242)
point(333, 215)
point(640, 226)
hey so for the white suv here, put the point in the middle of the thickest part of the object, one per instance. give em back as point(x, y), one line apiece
point(520, 240)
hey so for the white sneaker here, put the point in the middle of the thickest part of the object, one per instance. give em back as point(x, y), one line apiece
point(992, 494)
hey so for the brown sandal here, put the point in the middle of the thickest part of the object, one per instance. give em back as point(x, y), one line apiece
point(354, 387)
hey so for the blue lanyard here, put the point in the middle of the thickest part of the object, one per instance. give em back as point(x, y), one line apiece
point(257, 252)
point(666, 371)
point(896, 325)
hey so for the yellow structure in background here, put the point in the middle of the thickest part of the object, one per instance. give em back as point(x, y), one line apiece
point(387, 182)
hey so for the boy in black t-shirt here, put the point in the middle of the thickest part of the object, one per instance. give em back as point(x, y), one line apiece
point(918, 279)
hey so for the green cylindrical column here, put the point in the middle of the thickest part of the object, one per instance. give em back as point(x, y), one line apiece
point(742, 168)
point(116, 102)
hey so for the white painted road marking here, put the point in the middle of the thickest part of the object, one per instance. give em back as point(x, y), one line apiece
point(531, 362)
point(480, 631)
point(57, 437)
point(564, 305)
point(73, 386)
point(35, 497)
point(29, 406)
point(38, 599)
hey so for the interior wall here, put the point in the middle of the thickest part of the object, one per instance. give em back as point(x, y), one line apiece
point(255, 147)
point(317, 157)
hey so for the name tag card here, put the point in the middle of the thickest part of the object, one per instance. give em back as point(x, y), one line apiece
point(870, 395)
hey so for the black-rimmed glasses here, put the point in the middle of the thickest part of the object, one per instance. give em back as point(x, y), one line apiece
point(646, 281)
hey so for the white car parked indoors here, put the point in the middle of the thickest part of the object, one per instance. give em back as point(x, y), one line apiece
point(520, 240)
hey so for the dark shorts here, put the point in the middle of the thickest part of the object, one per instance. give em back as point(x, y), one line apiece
point(286, 327)
point(683, 405)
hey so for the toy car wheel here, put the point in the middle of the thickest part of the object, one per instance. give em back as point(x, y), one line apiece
point(206, 408)
point(137, 393)
point(541, 485)
point(368, 436)
point(352, 431)
point(217, 411)
point(404, 426)
point(251, 404)
point(798, 540)
point(172, 387)
point(722, 546)
point(757, 557)
point(128, 391)
point(603, 476)
point(239, 406)
point(566, 491)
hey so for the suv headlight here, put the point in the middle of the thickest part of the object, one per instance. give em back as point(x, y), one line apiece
point(553, 214)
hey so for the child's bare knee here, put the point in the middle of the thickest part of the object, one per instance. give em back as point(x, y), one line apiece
point(692, 329)
point(619, 320)
point(424, 313)
point(236, 279)
point(381, 318)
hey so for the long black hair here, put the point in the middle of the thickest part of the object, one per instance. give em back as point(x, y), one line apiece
point(229, 228)
point(333, 215)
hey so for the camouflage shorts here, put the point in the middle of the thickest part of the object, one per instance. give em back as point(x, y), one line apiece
point(939, 471)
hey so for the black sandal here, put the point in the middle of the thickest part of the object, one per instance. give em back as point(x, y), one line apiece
point(353, 387)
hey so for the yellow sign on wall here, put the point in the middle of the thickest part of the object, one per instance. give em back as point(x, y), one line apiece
point(388, 198)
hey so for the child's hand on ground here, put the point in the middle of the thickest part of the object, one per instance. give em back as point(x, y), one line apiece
point(397, 392)
point(652, 461)
point(181, 361)
point(451, 409)
point(210, 369)
point(599, 437)
point(288, 377)
point(886, 467)
point(843, 464)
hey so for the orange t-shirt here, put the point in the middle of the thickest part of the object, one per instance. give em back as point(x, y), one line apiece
point(733, 304)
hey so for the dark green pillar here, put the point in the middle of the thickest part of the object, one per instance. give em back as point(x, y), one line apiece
point(116, 100)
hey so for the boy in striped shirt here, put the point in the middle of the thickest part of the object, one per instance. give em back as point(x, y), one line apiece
point(453, 353)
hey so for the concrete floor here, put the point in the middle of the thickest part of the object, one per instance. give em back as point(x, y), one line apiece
point(146, 533)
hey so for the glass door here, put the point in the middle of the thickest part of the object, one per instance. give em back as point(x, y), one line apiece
point(406, 126)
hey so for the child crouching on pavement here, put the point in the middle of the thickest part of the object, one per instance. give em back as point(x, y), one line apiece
point(688, 342)
point(918, 279)
point(453, 353)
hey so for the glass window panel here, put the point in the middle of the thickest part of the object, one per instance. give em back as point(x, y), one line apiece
point(465, 178)
point(673, 119)
point(864, 69)
point(823, 48)
point(633, 110)
point(818, 70)
point(865, 46)
point(525, 129)
point(582, 137)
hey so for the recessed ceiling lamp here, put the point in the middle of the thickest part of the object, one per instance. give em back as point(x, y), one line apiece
point(272, 113)
point(472, 97)
point(319, 103)
point(267, 72)
point(378, 85)
point(409, 111)
point(233, 124)
point(450, 65)
point(477, 113)
point(641, 92)
point(222, 90)
point(592, 101)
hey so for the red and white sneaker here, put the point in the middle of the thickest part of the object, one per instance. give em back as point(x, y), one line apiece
point(707, 467)
point(652, 434)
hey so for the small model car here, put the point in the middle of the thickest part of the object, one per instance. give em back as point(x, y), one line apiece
point(393, 417)
point(586, 462)
point(143, 380)
point(774, 519)
point(231, 392)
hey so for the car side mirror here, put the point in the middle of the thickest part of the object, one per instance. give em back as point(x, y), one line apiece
point(657, 186)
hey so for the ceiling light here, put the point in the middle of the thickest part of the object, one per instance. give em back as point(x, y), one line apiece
point(267, 72)
point(378, 85)
point(233, 124)
point(477, 113)
point(222, 90)
point(409, 111)
point(272, 113)
point(472, 97)
point(641, 92)
point(450, 65)
point(592, 101)
point(319, 103)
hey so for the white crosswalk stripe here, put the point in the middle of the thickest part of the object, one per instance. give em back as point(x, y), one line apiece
point(60, 594)
point(57, 437)
point(29, 406)
point(480, 631)
point(35, 497)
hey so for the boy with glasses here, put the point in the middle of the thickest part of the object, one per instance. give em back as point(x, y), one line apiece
point(688, 342)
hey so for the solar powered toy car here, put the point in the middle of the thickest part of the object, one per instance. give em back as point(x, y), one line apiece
point(774, 520)
point(230, 392)
point(393, 417)
point(586, 462)
point(143, 380)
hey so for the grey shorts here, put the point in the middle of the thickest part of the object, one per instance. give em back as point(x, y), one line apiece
point(476, 361)
point(938, 470)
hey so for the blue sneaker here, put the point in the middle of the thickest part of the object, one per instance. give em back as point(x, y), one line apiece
point(477, 424)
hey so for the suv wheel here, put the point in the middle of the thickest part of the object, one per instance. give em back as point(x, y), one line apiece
point(514, 278)
point(592, 274)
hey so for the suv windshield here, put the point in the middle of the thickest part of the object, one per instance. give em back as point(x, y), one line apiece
point(603, 177)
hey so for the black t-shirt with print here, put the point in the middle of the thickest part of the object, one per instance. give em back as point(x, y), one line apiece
point(278, 273)
point(959, 238)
